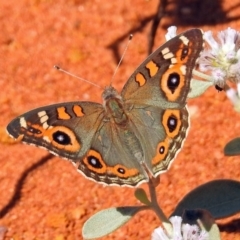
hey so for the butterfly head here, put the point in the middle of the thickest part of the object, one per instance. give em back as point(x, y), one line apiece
point(110, 92)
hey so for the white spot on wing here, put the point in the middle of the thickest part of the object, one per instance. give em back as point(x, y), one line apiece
point(183, 69)
point(184, 40)
point(44, 118)
point(45, 138)
point(45, 125)
point(173, 60)
point(23, 122)
point(168, 55)
point(42, 113)
point(165, 51)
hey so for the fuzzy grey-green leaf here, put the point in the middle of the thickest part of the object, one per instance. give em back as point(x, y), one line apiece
point(214, 233)
point(232, 148)
point(220, 197)
point(108, 220)
point(141, 195)
point(198, 87)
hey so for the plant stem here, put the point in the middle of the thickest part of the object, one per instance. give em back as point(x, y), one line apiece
point(202, 75)
point(156, 208)
point(154, 204)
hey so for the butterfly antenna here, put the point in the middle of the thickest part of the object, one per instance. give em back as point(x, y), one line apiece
point(124, 52)
point(73, 75)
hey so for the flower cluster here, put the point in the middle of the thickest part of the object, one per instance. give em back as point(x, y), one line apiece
point(222, 59)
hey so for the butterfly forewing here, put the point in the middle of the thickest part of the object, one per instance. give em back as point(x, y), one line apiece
point(163, 79)
point(65, 129)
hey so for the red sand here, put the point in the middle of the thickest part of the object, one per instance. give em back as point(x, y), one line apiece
point(51, 201)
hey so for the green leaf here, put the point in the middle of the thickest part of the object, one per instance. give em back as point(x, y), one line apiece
point(141, 195)
point(108, 220)
point(220, 197)
point(232, 148)
point(198, 87)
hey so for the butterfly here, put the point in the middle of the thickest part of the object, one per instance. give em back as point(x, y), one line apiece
point(133, 135)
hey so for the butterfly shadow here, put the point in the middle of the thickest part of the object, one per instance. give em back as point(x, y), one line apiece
point(185, 13)
point(230, 227)
point(18, 188)
point(198, 13)
point(114, 46)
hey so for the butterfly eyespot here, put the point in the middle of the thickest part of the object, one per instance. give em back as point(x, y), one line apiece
point(184, 53)
point(61, 138)
point(173, 81)
point(94, 162)
point(34, 130)
point(172, 123)
point(161, 149)
point(121, 170)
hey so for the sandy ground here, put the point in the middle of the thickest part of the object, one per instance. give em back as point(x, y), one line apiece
point(45, 198)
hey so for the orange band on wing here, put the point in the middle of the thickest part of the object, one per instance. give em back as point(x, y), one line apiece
point(94, 162)
point(60, 137)
point(78, 111)
point(140, 79)
point(152, 67)
point(62, 114)
point(161, 151)
point(123, 172)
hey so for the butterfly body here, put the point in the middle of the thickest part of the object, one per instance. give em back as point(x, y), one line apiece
point(133, 133)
